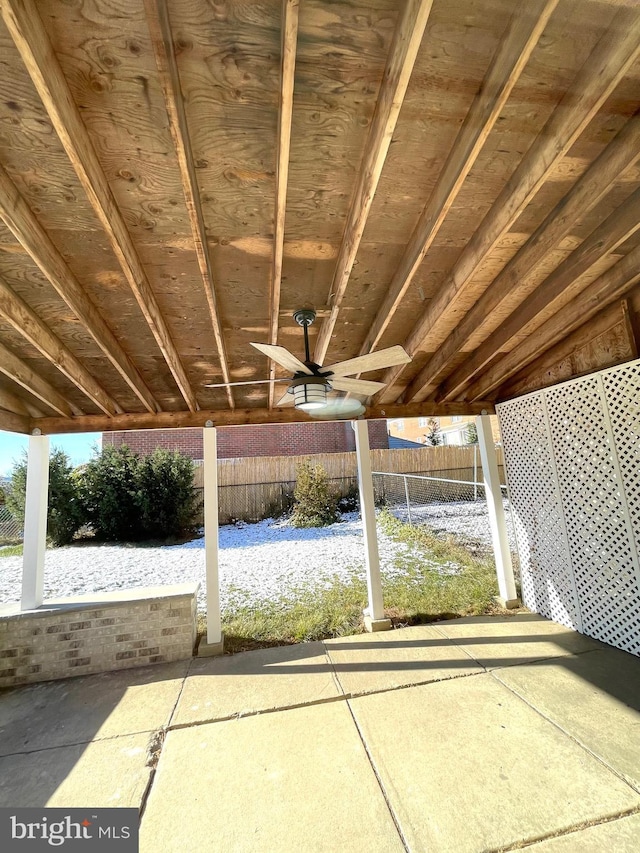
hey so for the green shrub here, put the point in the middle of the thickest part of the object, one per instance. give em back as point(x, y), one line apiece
point(109, 494)
point(65, 513)
point(129, 498)
point(168, 502)
point(315, 505)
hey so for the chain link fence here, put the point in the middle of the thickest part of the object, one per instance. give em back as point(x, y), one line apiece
point(10, 528)
point(456, 508)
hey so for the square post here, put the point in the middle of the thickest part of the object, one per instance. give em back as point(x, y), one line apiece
point(35, 522)
point(214, 642)
point(497, 522)
point(374, 618)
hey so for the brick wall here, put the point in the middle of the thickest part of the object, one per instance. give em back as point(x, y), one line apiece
point(254, 440)
point(96, 633)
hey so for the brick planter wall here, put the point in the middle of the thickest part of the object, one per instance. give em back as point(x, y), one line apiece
point(96, 633)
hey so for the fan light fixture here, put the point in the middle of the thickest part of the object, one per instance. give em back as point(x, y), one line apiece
point(309, 393)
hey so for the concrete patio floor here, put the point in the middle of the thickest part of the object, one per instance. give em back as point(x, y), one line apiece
point(477, 734)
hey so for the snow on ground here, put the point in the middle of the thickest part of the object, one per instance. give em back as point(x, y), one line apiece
point(263, 561)
point(258, 562)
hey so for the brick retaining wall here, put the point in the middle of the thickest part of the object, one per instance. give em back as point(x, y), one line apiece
point(96, 633)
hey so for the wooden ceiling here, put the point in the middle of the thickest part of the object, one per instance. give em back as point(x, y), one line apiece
point(177, 178)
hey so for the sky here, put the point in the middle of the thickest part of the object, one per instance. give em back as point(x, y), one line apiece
point(79, 448)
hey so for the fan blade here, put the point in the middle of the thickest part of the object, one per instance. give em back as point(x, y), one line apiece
point(244, 382)
point(285, 400)
point(341, 409)
point(284, 358)
point(373, 361)
point(356, 386)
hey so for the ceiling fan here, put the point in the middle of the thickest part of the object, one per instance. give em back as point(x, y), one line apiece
point(310, 383)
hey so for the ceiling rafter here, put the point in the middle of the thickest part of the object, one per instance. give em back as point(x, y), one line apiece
point(19, 371)
point(609, 287)
point(161, 36)
point(13, 422)
point(513, 52)
point(607, 64)
point(27, 323)
point(623, 222)
point(621, 153)
point(178, 420)
point(19, 218)
point(12, 403)
point(287, 77)
point(30, 37)
point(402, 55)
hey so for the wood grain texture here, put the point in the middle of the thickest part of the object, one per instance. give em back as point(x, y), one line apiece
point(16, 311)
point(12, 422)
point(20, 372)
point(23, 21)
point(615, 52)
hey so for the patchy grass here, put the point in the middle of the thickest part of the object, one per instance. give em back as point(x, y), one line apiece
point(10, 551)
point(433, 579)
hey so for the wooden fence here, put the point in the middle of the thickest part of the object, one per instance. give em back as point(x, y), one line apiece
point(252, 488)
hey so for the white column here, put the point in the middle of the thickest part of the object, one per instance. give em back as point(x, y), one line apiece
point(214, 624)
point(374, 614)
point(35, 522)
point(504, 567)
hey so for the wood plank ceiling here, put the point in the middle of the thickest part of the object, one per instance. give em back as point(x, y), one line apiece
point(457, 176)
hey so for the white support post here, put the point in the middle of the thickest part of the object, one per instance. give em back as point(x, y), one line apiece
point(374, 618)
point(35, 522)
point(504, 568)
point(214, 643)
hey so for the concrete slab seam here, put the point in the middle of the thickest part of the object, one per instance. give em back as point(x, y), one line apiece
point(336, 679)
point(75, 743)
point(394, 817)
point(571, 737)
point(561, 833)
point(458, 645)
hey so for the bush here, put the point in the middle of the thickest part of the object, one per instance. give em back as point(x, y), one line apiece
point(129, 498)
point(314, 503)
point(65, 514)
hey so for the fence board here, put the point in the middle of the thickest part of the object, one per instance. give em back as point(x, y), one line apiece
point(256, 487)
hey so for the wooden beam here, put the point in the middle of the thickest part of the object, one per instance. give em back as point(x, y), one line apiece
point(19, 218)
point(12, 403)
point(616, 159)
point(27, 323)
point(544, 369)
point(402, 55)
point(562, 283)
point(30, 37)
point(240, 417)
point(517, 43)
point(11, 422)
point(287, 79)
point(17, 370)
point(162, 40)
point(607, 64)
point(609, 287)
point(630, 325)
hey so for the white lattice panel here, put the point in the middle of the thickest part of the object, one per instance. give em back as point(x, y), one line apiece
point(547, 581)
point(572, 454)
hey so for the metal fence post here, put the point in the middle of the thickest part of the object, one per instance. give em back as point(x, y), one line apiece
point(475, 472)
point(406, 494)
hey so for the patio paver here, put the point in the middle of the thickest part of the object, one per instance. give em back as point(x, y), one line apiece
point(382, 661)
point(497, 641)
point(257, 681)
point(595, 698)
point(298, 780)
point(105, 773)
point(77, 710)
point(468, 766)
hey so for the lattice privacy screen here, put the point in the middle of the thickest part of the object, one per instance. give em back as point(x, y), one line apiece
point(572, 457)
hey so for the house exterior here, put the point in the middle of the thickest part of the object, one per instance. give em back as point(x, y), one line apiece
point(295, 439)
point(453, 429)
